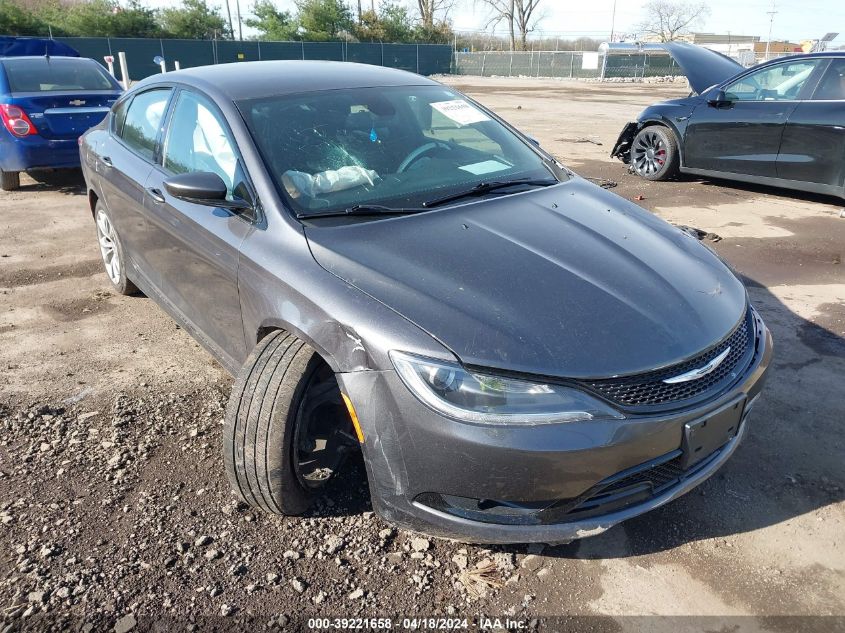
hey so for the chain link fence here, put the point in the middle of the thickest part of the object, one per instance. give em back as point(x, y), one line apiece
point(424, 59)
point(565, 64)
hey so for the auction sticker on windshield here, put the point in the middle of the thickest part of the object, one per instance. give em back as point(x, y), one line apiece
point(460, 111)
point(485, 167)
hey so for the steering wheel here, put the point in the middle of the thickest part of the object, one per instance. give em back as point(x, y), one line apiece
point(419, 153)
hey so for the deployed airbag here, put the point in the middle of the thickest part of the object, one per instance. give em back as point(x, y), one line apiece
point(299, 183)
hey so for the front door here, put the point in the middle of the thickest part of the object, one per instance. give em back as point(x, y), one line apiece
point(813, 146)
point(198, 245)
point(742, 135)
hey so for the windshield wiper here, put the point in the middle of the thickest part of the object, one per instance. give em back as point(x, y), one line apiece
point(361, 209)
point(485, 187)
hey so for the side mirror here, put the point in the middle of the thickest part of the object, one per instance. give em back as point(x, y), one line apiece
point(718, 100)
point(533, 140)
point(203, 187)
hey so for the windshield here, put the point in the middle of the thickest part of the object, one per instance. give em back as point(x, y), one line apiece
point(52, 75)
point(396, 146)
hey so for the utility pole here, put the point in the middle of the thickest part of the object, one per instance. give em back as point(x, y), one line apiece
point(229, 13)
point(771, 22)
point(613, 22)
point(240, 25)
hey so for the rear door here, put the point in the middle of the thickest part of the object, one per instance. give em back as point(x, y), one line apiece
point(196, 246)
point(813, 147)
point(63, 96)
point(743, 135)
point(124, 163)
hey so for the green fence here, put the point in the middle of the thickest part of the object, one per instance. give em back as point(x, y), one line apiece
point(641, 65)
point(424, 59)
point(564, 64)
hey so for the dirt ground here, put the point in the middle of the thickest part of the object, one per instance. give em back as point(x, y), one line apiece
point(115, 512)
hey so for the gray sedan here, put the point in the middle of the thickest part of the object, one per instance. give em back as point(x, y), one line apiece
point(389, 267)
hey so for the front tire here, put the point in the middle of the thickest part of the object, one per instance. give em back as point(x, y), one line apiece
point(284, 435)
point(10, 180)
point(654, 153)
point(111, 250)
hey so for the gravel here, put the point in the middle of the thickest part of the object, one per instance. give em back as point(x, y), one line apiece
point(117, 508)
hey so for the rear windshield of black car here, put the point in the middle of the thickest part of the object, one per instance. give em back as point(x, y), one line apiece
point(55, 75)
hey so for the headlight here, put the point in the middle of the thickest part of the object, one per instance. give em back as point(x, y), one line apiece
point(487, 399)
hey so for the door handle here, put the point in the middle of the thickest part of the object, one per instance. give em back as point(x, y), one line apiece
point(156, 195)
point(106, 161)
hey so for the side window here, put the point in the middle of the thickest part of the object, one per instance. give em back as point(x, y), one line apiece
point(832, 85)
point(118, 116)
point(143, 120)
point(197, 140)
point(782, 82)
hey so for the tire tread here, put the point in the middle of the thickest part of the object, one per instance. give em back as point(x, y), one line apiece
point(258, 429)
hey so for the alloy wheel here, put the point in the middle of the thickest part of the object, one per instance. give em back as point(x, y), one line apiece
point(107, 239)
point(649, 153)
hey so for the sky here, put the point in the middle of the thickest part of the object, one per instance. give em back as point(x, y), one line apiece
point(794, 20)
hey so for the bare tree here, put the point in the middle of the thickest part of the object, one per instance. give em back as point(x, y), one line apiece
point(502, 11)
point(526, 19)
point(669, 20)
point(430, 9)
point(520, 16)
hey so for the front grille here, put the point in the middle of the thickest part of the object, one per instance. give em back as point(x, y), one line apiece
point(656, 476)
point(636, 485)
point(648, 389)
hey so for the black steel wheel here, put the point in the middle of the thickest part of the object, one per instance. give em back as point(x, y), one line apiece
point(286, 430)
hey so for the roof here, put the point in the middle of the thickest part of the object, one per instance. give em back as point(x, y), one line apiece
point(246, 80)
point(824, 54)
point(11, 46)
point(58, 59)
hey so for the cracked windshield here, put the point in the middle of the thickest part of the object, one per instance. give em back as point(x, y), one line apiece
point(397, 147)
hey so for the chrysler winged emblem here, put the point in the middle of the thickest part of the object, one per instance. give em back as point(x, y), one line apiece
point(695, 374)
point(77, 102)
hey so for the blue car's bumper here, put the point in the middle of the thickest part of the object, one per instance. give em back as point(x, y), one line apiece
point(37, 152)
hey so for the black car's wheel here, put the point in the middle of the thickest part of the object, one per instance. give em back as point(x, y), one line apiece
point(111, 251)
point(286, 431)
point(654, 153)
point(10, 180)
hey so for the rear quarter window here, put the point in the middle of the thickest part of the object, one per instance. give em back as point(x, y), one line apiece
point(118, 116)
point(55, 75)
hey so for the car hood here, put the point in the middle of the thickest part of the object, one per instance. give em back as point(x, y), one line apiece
point(702, 66)
point(568, 281)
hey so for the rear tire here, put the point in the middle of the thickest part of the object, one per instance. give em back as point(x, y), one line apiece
point(654, 153)
point(10, 180)
point(270, 460)
point(111, 250)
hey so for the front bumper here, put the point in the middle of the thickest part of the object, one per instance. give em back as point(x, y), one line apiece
point(622, 147)
point(37, 152)
point(416, 457)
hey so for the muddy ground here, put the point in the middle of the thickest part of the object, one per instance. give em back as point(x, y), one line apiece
point(114, 509)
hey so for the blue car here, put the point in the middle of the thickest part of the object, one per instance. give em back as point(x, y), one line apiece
point(46, 104)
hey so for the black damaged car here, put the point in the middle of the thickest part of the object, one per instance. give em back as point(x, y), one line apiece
point(781, 123)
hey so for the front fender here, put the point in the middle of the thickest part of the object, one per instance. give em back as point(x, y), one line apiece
point(281, 286)
point(673, 115)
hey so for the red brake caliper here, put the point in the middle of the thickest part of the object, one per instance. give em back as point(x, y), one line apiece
point(660, 155)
